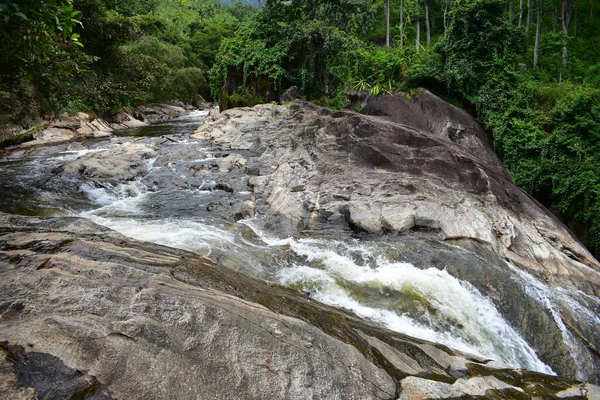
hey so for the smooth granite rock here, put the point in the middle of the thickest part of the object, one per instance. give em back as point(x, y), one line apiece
point(420, 165)
point(88, 313)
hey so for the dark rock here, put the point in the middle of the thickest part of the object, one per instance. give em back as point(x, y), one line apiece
point(117, 117)
point(289, 95)
point(400, 110)
point(425, 166)
point(252, 171)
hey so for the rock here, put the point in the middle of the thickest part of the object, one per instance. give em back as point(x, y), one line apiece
point(400, 110)
point(591, 392)
point(93, 312)
point(66, 122)
point(84, 117)
point(54, 135)
point(414, 166)
point(118, 117)
point(230, 162)
point(84, 125)
point(289, 95)
point(9, 380)
point(163, 112)
point(123, 163)
point(125, 120)
point(50, 377)
point(95, 128)
point(479, 387)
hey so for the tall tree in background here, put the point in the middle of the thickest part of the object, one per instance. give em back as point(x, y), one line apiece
point(401, 24)
point(427, 24)
point(529, 14)
point(538, 33)
point(446, 6)
point(387, 23)
point(566, 13)
point(418, 34)
point(520, 13)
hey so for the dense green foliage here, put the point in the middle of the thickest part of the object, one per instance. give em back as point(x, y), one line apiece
point(537, 91)
point(544, 127)
point(93, 55)
point(35, 47)
point(305, 43)
point(543, 115)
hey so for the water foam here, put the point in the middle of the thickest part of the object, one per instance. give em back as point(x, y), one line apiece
point(425, 303)
point(551, 298)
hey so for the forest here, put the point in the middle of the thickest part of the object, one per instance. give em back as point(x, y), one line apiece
point(529, 70)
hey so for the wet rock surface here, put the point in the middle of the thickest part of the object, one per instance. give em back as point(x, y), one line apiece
point(415, 182)
point(89, 313)
point(421, 165)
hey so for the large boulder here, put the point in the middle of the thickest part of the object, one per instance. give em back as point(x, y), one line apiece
point(87, 313)
point(121, 163)
point(421, 165)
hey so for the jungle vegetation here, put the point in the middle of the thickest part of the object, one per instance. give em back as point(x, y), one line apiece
point(529, 70)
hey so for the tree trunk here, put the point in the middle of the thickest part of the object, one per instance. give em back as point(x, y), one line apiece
point(418, 39)
point(511, 10)
point(554, 17)
point(529, 15)
point(387, 23)
point(401, 24)
point(427, 26)
point(566, 19)
point(445, 17)
point(538, 32)
point(520, 13)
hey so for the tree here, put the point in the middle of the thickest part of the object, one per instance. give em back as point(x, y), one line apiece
point(427, 26)
point(529, 14)
point(418, 34)
point(481, 42)
point(387, 23)
point(307, 43)
point(36, 62)
point(447, 5)
point(566, 13)
point(520, 13)
point(538, 33)
point(401, 24)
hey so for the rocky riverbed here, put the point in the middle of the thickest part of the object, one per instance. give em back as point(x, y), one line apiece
point(404, 218)
point(89, 125)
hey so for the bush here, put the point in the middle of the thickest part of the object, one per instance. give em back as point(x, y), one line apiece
point(165, 53)
point(186, 84)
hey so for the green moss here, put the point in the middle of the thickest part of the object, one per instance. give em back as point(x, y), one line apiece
point(12, 140)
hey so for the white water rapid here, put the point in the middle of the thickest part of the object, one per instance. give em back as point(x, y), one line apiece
point(425, 303)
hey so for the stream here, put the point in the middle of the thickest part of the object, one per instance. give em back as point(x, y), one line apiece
point(175, 203)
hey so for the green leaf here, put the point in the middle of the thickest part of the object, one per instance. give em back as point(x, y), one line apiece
point(20, 15)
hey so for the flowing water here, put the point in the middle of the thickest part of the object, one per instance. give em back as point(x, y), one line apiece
point(169, 205)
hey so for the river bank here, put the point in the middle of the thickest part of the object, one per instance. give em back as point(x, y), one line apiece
point(90, 125)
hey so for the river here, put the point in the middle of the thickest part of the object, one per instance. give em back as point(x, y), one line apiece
point(175, 203)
